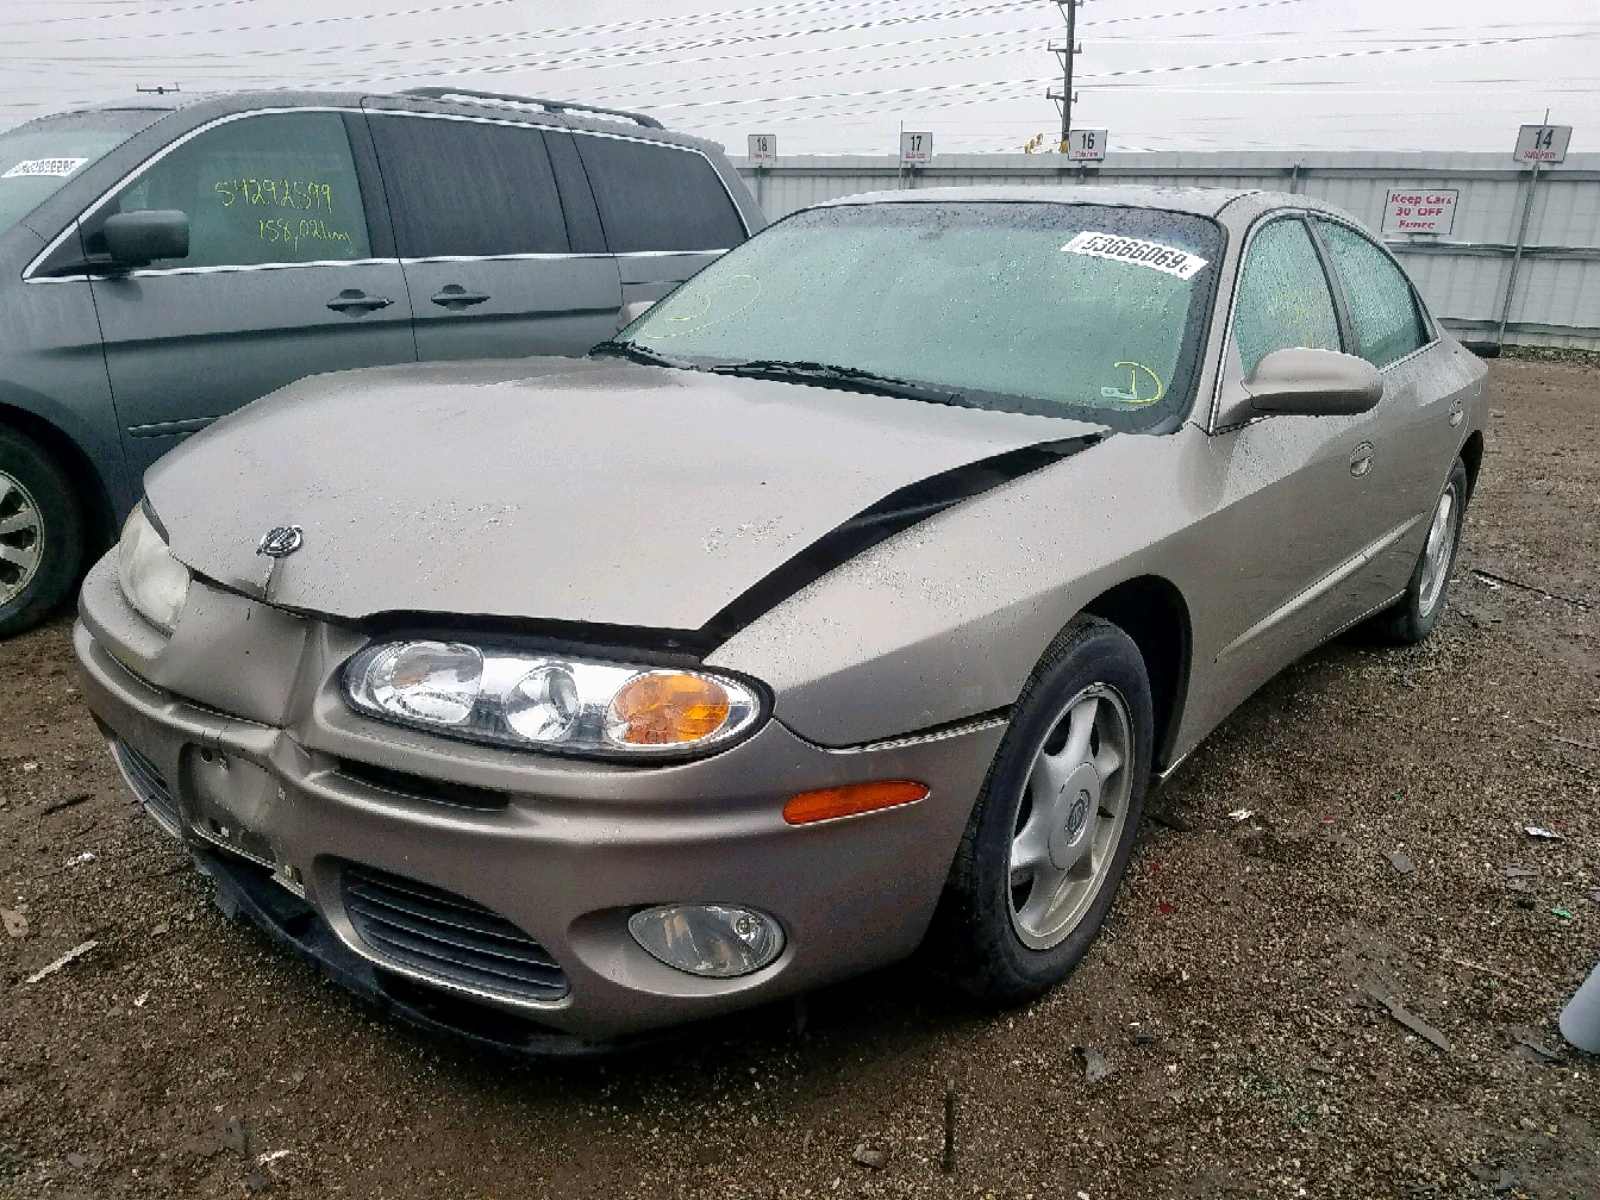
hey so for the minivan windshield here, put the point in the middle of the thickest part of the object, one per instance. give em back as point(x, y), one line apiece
point(39, 159)
point(1073, 310)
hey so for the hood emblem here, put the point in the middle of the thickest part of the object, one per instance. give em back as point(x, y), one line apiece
point(282, 541)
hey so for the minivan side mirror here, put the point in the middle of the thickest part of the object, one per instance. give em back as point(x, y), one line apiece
point(1313, 383)
point(136, 239)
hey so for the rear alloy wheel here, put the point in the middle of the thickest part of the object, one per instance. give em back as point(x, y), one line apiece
point(1052, 832)
point(41, 534)
point(1416, 613)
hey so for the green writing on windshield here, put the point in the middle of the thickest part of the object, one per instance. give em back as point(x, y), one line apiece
point(303, 194)
point(305, 230)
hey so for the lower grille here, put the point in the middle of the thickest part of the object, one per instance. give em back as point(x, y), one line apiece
point(147, 784)
point(447, 938)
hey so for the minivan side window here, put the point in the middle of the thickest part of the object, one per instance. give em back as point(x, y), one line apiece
point(654, 197)
point(267, 189)
point(1284, 299)
point(1382, 305)
point(468, 189)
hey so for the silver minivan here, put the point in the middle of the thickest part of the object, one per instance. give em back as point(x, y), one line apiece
point(166, 260)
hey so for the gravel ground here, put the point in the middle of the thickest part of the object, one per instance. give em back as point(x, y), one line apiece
point(1233, 998)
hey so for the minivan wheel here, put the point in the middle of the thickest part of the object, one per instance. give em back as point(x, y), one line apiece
point(41, 533)
point(1053, 829)
point(1416, 613)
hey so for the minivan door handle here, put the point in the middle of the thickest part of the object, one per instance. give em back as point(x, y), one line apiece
point(454, 296)
point(1361, 459)
point(356, 302)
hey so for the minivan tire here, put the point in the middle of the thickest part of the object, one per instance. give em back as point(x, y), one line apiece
point(38, 512)
point(983, 940)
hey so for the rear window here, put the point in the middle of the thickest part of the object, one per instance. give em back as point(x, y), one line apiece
point(468, 188)
point(40, 158)
point(654, 197)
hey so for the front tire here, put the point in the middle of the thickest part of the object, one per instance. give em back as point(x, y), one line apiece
point(1052, 831)
point(1413, 617)
point(41, 534)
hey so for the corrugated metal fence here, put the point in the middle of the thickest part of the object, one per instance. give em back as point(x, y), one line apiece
point(1465, 275)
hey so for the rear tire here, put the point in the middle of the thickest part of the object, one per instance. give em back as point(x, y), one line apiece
point(1039, 865)
point(41, 534)
point(1413, 617)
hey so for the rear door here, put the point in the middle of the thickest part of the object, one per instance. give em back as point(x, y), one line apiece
point(1424, 394)
point(664, 209)
point(503, 257)
point(289, 273)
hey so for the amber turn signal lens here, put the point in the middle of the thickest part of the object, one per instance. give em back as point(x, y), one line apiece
point(666, 708)
point(851, 799)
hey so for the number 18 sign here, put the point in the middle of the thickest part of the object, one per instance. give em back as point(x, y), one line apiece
point(763, 148)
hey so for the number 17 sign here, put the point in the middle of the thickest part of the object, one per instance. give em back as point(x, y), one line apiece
point(916, 147)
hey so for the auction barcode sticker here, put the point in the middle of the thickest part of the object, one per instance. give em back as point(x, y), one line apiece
point(56, 168)
point(1168, 259)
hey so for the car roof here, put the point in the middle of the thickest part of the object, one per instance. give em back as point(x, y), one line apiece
point(551, 111)
point(1205, 202)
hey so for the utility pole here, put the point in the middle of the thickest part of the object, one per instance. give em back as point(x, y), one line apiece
point(1067, 52)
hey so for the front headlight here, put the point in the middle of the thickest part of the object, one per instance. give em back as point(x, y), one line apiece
point(549, 702)
point(155, 583)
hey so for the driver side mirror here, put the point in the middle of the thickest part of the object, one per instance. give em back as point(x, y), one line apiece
point(1313, 383)
point(137, 239)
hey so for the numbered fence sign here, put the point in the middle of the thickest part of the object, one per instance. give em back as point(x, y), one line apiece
point(1543, 143)
point(1086, 145)
point(916, 148)
point(1413, 210)
point(763, 148)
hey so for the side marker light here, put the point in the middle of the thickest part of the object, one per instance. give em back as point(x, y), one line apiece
point(852, 800)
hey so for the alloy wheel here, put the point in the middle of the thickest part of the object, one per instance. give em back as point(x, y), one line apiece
point(1071, 818)
point(21, 538)
point(1436, 552)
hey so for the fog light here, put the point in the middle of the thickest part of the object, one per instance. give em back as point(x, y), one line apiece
point(718, 941)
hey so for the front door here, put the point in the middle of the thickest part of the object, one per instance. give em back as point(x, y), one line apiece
point(285, 277)
point(502, 250)
point(1293, 516)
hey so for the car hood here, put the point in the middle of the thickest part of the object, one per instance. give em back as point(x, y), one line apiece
point(592, 491)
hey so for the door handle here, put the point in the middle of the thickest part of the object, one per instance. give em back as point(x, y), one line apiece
point(1361, 459)
point(454, 296)
point(356, 302)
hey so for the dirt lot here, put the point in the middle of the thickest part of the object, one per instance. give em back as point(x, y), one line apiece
point(184, 1057)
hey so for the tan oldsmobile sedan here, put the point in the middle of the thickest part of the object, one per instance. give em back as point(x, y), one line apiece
point(850, 601)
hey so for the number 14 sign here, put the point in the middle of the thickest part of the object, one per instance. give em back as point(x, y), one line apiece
point(1543, 143)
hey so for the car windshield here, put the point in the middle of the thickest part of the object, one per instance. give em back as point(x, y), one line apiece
point(1073, 310)
point(37, 159)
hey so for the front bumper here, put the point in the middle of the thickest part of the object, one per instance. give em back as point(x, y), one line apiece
point(290, 807)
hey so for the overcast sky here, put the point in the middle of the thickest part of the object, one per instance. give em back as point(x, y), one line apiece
point(840, 76)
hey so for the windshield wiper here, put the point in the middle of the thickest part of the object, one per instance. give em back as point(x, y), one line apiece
point(828, 375)
point(636, 352)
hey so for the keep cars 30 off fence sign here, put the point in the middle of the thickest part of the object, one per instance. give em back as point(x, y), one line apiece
point(1419, 211)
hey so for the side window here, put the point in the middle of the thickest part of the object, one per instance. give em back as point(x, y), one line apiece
point(1382, 305)
point(654, 197)
point(468, 188)
point(1284, 299)
point(274, 188)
